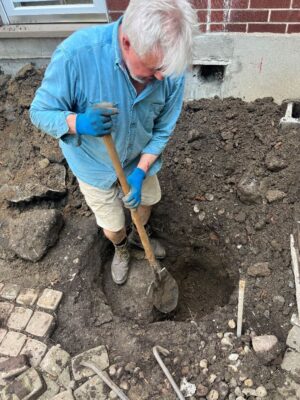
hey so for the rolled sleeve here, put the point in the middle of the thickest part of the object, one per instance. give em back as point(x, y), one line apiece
point(53, 101)
point(166, 121)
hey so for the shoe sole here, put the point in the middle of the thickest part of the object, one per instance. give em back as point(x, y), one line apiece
point(138, 246)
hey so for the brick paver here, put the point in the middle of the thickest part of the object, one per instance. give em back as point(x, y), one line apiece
point(27, 297)
point(2, 334)
point(12, 344)
point(50, 299)
point(26, 386)
point(19, 318)
point(40, 324)
point(5, 310)
point(35, 351)
point(10, 291)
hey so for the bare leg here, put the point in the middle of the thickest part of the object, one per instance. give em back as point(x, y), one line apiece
point(115, 237)
point(144, 213)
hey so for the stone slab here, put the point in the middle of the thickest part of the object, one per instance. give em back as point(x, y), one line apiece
point(293, 339)
point(10, 291)
point(91, 390)
point(291, 363)
point(12, 344)
point(19, 318)
point(64, 396)
point(64, 378)
point(5, 311)
point(13, 366)
point(27, 297)
point(41, 324)
point(52, 389)
point(97, 356)
point(50, 299)
point(28, 386)
point(3, 332)
point(35, 351)
point(55, 361)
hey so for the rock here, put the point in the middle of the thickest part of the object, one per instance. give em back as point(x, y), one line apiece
point(226, 342)
point(261, 392)
point(274, 163)
point(275, 195)
point(112, 370)
point(248, 190)
point(213, 395)
point(293, 339)
point(291, 363)
point(113, 395)
point(209, 196)
point(264, 343)
point(34, 232)
point(44, 163)
point(280, 300)
point(188, 389)
point(203, 363)
point(232, 324)
point(248, 382)
point(55, 361)
point(212, 378)
point(124, 385)
point(29, 383)
point(249, 392)
point(92, 389)
point(260, 269)
point(25, 72)
point(233, 357)
point(193, 135)
point(223, 390)
point(202, 390)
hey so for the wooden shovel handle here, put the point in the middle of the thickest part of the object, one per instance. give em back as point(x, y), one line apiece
point(111, 149)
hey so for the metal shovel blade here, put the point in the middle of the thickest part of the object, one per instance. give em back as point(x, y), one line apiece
point(164, 291)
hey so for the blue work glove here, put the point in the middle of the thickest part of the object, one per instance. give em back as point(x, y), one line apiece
point(95, 122)
point(135, 181)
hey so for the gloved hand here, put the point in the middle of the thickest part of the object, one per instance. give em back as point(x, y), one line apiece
point(95, 122)
point(135, 181)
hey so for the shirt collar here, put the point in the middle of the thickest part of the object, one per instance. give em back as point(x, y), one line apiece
point(115, 41)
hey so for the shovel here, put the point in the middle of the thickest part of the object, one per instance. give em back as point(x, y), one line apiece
point(164, 289)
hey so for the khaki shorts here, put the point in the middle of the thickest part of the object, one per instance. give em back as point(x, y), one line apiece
point(107, 205)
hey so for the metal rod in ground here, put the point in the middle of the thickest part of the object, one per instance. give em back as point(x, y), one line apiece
point(106, 379)
point(242, 285)
point(165, 352)
point(295, 265)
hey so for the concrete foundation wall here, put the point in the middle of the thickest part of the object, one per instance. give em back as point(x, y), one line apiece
point(252, 65)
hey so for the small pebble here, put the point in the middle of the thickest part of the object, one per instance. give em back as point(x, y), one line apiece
point(112, 370)
point(202, 390)
point(231, 324)
point(233, 357)
point(238, 391)
point(44, 163)
point(113, 395)
point(213, 395)
point(209, 196)
point(124, 386)
point(203, 363)
point(212, 378)
point(196, 209)
point(261, 392)
point(248, 382)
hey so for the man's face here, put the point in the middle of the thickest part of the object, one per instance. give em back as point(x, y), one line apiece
point(144, 69)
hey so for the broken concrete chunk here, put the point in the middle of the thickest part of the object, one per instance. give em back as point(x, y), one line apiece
point(52, 389)
point(260, 269)
point(97, 356)
point(50, 299)
point(64, 378)
point(90, 390)
point(28, 386)
point(34, 232)
point(13, 366)
point(293, 339)
point(55, 361)
point(41, 324)
point(291, 363)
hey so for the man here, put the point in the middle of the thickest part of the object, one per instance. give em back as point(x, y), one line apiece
point(137, 64)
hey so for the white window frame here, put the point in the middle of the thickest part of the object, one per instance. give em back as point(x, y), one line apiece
point(95, 12)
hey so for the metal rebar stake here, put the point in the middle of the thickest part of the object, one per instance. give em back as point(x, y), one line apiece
point(165, 352)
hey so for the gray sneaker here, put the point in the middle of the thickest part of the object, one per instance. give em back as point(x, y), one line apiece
point(134, 240)
point(120, 264)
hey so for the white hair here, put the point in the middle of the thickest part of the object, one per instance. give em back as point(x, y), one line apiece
point(166, 26)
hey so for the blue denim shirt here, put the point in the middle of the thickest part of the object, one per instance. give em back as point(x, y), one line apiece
point(86, 69)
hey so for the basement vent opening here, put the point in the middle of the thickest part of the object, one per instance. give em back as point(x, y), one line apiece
point(212, 73)
point(296, 110)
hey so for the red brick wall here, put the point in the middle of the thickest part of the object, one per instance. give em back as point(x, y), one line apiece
point(275, 16)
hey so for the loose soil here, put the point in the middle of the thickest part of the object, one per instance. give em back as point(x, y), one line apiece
point(211, 231)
